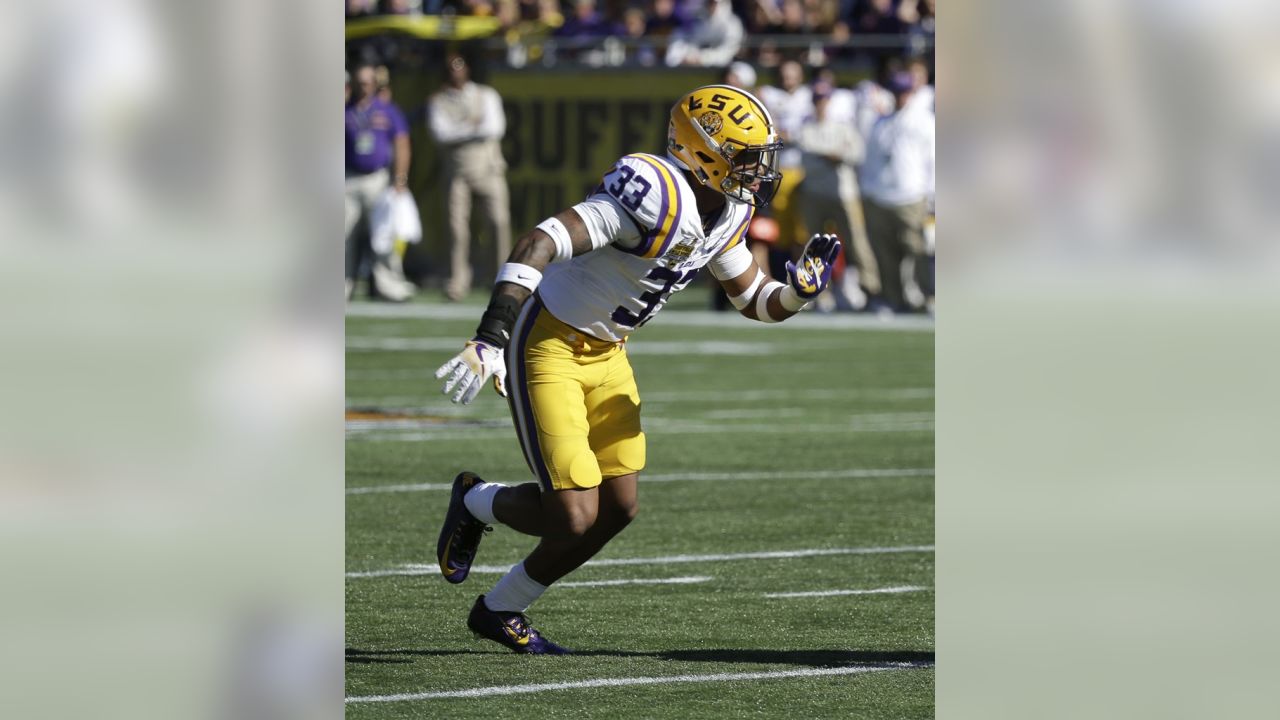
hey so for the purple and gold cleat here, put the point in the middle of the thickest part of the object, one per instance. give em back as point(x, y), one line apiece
point(511, 629)
point(461, 534)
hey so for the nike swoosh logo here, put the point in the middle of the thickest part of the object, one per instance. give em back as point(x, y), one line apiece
point(515, 636)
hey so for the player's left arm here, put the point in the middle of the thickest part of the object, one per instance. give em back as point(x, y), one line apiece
point(759, 297)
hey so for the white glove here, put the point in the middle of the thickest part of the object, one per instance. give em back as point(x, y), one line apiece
point(469, 369)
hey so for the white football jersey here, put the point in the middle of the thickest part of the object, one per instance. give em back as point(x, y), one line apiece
point(644, 222)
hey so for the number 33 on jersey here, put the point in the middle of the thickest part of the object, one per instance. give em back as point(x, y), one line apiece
point(644, 219)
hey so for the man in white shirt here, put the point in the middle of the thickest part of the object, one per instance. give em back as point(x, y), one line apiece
point(831, 147)
point(897, 188)
point(467, 122)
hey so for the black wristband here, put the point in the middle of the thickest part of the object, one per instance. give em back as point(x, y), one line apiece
point(499, 318)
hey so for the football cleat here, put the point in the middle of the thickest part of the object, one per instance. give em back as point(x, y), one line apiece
point(461, 534)
point(511, 629)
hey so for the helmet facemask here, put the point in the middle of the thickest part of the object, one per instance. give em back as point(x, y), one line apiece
point(752, 177)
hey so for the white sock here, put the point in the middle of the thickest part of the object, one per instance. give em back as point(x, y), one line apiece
point(479, 500)
point(515, 592)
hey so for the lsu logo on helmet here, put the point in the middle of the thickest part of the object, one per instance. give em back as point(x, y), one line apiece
point(726, 138)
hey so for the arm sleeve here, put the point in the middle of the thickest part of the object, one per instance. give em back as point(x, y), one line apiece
point(731, 263)
point(493, 124)
point(607, 222)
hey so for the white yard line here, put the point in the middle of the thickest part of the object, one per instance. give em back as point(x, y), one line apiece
point(693, 347)
point(907, 393)
point(671, 318)
point(419, 569)
point(853, 422)
point(631, 681)
point(655, 397)
point(656, 426)
point(833, 593)
point(845, 474)
point(690, 580)
point(403, 344)
point(420, 487)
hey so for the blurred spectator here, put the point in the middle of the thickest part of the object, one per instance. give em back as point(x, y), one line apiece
point(361, 8)
point(667, 19)
point(820, 16)
point(382, 77)
point(898, 187)
point(790, 104)
point(586, 22)
point(549, 13)
point(377, 136)
point(396, 7)
point(642, 52)
point(478, 8)
point(508, 14)
point(873, 101)
point(917, 16)
point(876, 17)
point(791, 19)
point(468, 122)
point(714, 43)
point(760, 15)
point(740, 75)
point(922, 97)
point(843, 103)
point(828, 197)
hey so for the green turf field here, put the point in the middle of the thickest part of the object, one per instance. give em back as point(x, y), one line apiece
point(811, 442)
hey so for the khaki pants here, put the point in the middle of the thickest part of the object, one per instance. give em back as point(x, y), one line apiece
point(479, 175)
point(821, 210)
point(362, 191)
point(897, 239)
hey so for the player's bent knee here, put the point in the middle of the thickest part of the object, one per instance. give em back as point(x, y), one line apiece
point(569, 515)
point(623, 512)
point(577, 521)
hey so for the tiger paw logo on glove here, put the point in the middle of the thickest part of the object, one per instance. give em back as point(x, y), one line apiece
point(807, 275)
point(813, 273)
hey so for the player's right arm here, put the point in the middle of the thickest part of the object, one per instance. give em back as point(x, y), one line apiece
point(604, 218)
point(563, 235)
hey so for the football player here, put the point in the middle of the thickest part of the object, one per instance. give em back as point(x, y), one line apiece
point(553, 340)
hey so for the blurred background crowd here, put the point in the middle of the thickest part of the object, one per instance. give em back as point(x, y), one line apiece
point(493, 115)
point(677, 32)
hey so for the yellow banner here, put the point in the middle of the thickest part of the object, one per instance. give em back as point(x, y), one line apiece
point(430, 27)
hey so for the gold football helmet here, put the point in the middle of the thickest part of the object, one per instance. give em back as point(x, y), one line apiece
point(726, 138)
